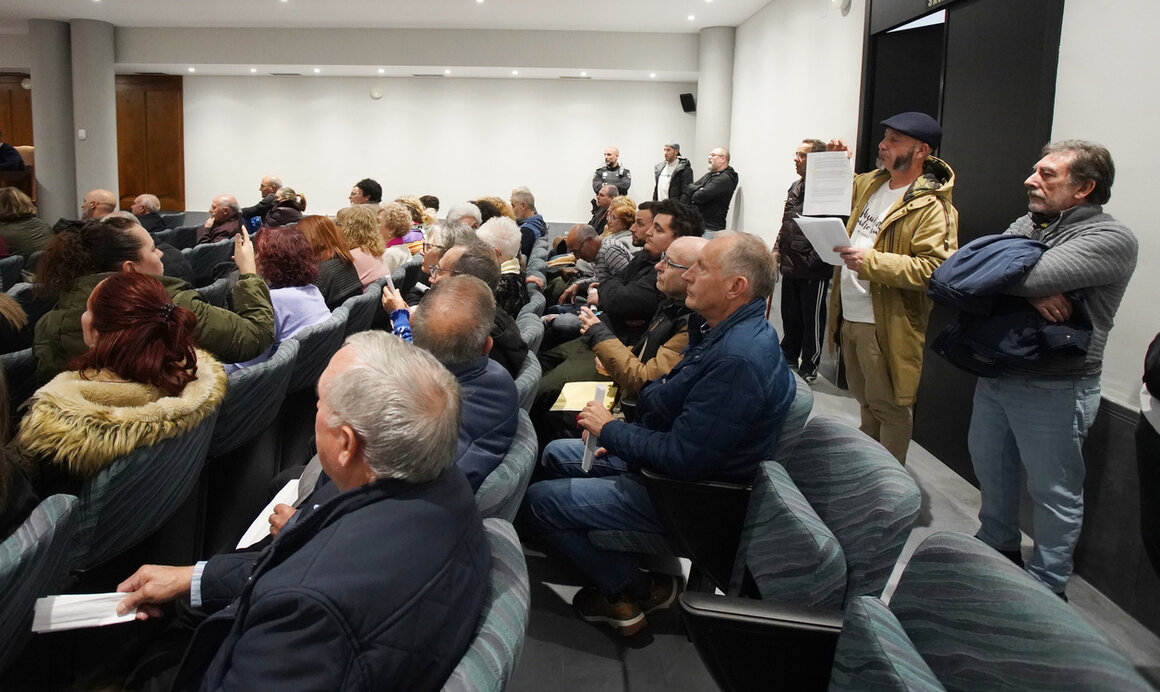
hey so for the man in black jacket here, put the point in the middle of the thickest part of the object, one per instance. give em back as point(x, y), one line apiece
point(712, 193)
point(805, 278)
point(146, 208)
point(672, 174)
point(267, 188)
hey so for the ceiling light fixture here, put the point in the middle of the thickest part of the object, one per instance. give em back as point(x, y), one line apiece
point(317, 70)
point(692, 17)
point(193, 69)
point(515, 73)
point(253, 70)
point(583, 74)
point(382, 70)
point(652, 75)
point(446, 71)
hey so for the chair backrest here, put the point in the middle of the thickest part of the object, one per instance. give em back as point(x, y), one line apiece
point(20, 373)
point(133, 496)
point(528, 381)
point(531, 330)
point(31, 262)
point(169, 235)
point(861, 493)
point(795, 418)
point(494, 652)
point(185, 237)
point(317, 343)
point(535, 305)
point(969, 619)
point(33, 560)
point(203, 258)
point(252, 399)
point(361, 308)
point(172, 219)
point(502, 491)
point(217, 293)
point(10, 268)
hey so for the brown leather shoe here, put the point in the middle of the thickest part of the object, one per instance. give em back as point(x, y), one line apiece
point(623, 616)
point(662, 592)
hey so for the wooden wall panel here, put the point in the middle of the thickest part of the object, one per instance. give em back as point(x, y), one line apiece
point(15, 110)
point(151, 139)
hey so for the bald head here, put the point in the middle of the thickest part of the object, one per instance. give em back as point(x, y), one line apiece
point(145, 204)
point(224, 208)
point(733, 269)
point(681, 254)
point(269, 185)
point(98, 203)
point(454, 321)
point(611, 156)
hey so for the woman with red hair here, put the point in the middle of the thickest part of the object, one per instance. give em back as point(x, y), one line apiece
point(286, 262)
point(337, 277)
point(142, 381)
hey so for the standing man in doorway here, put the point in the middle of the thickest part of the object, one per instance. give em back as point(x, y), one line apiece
point(672, 174)
point(805, 278)
point(1035, 417)
point(901, 227)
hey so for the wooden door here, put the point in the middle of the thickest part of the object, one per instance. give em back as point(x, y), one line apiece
point(151, 139)
point(15, 110)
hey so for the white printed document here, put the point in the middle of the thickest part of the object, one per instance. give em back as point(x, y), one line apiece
point(825, 235)
point(829, 184)
point(75, 611)
point(592, 442)
point(260, 528)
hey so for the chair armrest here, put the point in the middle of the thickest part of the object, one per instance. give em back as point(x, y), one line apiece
point(704, 520)
point(760, 645)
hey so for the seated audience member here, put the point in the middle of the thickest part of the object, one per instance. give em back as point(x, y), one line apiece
point(430, 202)
point(442, 238)
point(654, 355)
point(15, 330)
point(10, 158)
point(141, 381)
point(604, 197)
point(337, 276)
point(225, 220)
point(360, 230)
point(715, 416)
point(98, 203)
point(176, 264)
point(382, 585)
point(421, 220)
point(76, 261)
point(288, 208)
point(20, 228)
point(394, 224)
point(532, 224)
point(452, 324)
point(366, 191)
point(17, 498)
point(465, 213)
point(286, 263)
point(146, 208)
point(607, 258)
point(621, 215)
point(478, 260)
point(511, 291)
point(266, 188)
point(491, 207)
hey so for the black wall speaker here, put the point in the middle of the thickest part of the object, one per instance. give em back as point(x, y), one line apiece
point(688, 103)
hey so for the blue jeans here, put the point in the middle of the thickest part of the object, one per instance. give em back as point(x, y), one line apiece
point(563, 510)
point(1039, 425)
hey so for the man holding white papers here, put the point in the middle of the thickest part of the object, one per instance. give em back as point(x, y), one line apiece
point(805, 278)
point(901, 227)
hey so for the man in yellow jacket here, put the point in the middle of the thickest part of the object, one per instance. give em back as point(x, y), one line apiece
point(902, 225)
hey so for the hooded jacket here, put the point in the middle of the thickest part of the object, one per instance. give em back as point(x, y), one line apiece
point(915, 236)
point(682, 176)
point(231, 337)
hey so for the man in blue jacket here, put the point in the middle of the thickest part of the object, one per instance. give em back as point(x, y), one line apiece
point(715, 416)
point(379, 587)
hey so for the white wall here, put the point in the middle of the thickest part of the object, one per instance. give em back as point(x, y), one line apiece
point(796, 74)
point(457, 139)
point(1106, 91)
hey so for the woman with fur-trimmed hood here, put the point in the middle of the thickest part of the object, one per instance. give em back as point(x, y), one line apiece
point(142, 381)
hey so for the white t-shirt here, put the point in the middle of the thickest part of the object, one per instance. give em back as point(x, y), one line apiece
point(856, 305)
point(663, 181)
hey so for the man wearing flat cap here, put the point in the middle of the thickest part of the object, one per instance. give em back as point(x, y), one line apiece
point(672, 174)
point(902, 225)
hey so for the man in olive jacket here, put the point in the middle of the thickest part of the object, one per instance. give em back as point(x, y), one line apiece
point(901, 227)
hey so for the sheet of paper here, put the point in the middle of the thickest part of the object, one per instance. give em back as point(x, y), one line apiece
point(829, 184)
point(592, 442)
point(260, 528)
point(825, 235)
point(74, 611)
point(575, 394)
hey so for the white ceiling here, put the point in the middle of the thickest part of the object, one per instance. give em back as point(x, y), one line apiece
point(667, 16)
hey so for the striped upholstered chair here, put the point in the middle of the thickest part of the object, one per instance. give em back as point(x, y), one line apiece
point(528, 381)
point(502, 491)
point(965, 618)
point(490, 660)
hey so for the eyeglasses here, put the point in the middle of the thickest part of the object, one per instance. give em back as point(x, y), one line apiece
point(428, 247)
point(435, 270)
point(671, 264)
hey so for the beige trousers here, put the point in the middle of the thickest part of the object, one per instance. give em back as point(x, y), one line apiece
point(868, 375)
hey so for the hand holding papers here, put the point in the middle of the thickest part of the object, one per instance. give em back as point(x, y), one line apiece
point(825, 235)
point(829, 184)
point(592, 442)
point(75, 611)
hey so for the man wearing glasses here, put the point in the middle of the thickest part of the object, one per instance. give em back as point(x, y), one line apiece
point(712, 193)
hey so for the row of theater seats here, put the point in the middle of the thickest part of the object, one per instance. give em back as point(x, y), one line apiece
point(219, 474)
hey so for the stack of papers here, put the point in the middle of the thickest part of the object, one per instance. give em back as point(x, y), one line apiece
point(75, 611)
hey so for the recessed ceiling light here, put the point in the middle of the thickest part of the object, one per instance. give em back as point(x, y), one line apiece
point(446, 71)
point(652, 75)
point(515, 73)
point(692, 17)
point(480, 2)
point(583, 74)
point(253, 69)
point(193, 69)
point(381, 70)
point(317, 70)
